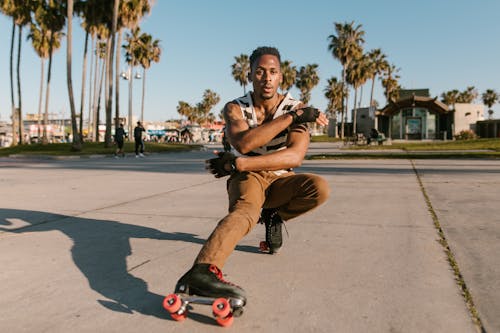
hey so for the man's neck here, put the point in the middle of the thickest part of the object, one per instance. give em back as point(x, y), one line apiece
point(268, 105)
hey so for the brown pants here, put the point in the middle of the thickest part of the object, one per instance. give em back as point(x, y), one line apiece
point(293, 194)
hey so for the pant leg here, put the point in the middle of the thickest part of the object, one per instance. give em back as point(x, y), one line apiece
point(137, 143)
point(296, 194)
point(246, 192)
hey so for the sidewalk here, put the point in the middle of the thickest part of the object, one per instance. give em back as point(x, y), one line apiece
point(93, 245)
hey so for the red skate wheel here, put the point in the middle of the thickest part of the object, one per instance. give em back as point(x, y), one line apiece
point(263, 247)
point(221, 308)
point(178, 317)
point(225, 322)
point(172, 303)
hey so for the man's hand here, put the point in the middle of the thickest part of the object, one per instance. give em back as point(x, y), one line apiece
point(223, 165)
point(308, 115)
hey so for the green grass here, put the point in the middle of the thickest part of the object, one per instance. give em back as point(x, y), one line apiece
point(89, 148)
point(477, 148)
point(476, 144)
point(324, 138)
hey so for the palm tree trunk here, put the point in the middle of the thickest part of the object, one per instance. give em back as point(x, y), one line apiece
point(108, 92)
point(13, 103)
point(84, 77)
point(40, 100)
point(375, 120)
point(344, 102)
point(19, 99)
point(93, 71)
point(143, 93)
point(45, 139)
point(76, 143)
point(95, 95)
point(354, 120)
point(109, 97)
point(97, 100)
point(117, 79)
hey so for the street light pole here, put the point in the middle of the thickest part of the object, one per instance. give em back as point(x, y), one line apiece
point(128, 76)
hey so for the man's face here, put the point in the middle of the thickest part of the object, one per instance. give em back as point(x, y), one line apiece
point(266, 76)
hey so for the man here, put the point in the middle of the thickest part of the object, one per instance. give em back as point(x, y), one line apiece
point(139, 144)
point(119, 139)
point(269, 131)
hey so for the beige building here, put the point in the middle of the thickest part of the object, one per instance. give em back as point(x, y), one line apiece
point(466, 115)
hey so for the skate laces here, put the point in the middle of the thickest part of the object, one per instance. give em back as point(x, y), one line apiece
point(270, 218)
point(218, 273)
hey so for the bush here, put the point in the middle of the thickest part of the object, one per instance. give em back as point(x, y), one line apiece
point(466, 135)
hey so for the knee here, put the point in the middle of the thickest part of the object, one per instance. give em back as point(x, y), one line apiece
point(321, 189)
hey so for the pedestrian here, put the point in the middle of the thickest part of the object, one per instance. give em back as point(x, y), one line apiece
point(139, 143)
point(270, 133)
point(119, 140)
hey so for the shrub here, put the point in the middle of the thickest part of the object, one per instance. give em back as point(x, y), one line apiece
point(465, 135)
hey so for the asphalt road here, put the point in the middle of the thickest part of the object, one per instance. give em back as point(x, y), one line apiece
point(93, 245)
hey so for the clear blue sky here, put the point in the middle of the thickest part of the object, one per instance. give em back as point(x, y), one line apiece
point(438, 44)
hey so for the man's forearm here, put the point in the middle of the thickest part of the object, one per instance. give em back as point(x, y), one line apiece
point(259, 136)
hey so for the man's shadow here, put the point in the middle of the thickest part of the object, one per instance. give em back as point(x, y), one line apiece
point(100, 249)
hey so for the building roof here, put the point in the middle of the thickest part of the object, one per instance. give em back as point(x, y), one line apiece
point(432, 104)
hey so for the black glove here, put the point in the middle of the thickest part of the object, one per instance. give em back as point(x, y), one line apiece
point(308, 115)
point(222, 165)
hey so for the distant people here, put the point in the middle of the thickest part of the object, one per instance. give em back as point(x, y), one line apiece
point(186, 136)
point(374, 135)
point(119, 139)
point(139, 143)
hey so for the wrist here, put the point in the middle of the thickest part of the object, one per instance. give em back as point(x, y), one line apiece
point(234, 165)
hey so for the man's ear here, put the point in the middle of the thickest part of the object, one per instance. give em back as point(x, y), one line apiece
point(249, 76)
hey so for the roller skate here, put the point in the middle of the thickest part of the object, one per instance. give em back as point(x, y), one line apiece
point(204, 284)
point(274, 238)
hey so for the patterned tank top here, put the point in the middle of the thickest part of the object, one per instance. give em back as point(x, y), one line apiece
point(279, 141)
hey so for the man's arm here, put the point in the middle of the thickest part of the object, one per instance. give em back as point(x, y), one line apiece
point(245, 139)
point(291, 157)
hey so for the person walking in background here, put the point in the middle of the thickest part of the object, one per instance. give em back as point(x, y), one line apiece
point(119, 140)
point(270, 133)
point(139, 143)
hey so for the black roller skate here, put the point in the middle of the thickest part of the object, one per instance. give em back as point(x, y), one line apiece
point(204, 284)
point(274, 237)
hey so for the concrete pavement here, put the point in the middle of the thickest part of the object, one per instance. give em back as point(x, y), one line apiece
point(93, 245)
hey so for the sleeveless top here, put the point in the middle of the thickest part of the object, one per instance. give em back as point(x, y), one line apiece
point(279, 141)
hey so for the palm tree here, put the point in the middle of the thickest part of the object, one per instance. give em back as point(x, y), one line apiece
point(76, 142)
point(468, 96)
point(390, 83)
point(357, 75)
point(333, 92)
point(345, 46)
point(40, 42)
point(132, 54)
point(210, 99)
point(130, 14)
point(289, 74)
point(490, 97)
point(307, 79)
point(108, 142)
point(50, 17)
point(20, 11)
point(377, 65)
point(240, 70)
point(185, 110)
point(450, 97)
point(150, 52)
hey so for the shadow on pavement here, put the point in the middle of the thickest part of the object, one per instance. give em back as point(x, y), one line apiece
point(100, 249)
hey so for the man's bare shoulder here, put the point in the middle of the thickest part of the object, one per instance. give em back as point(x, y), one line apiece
point(232, 111)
